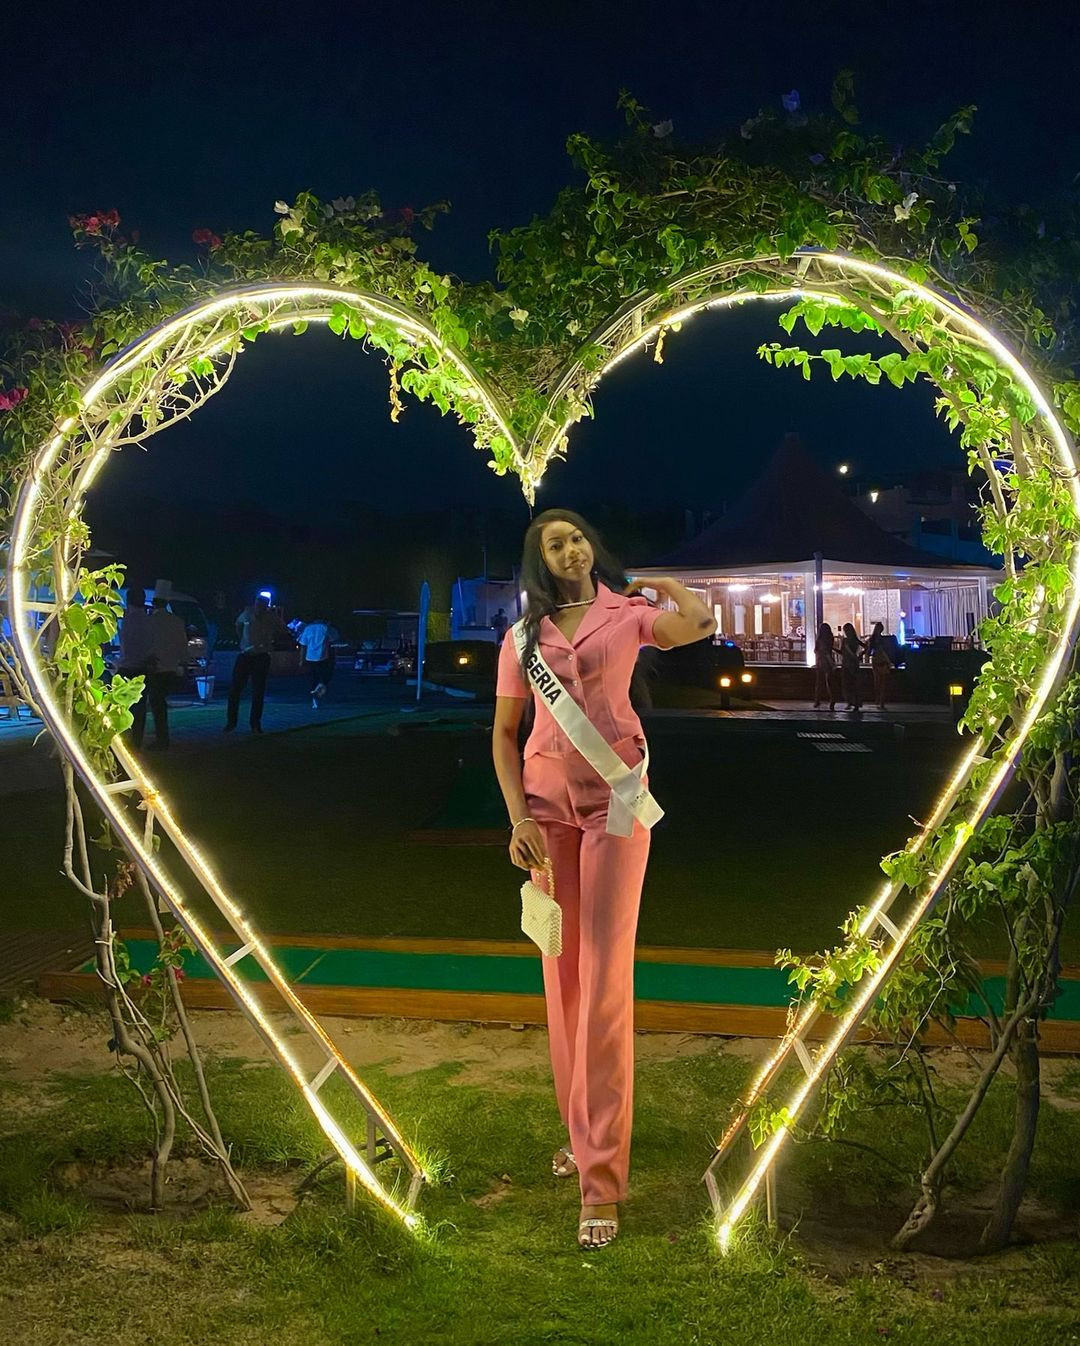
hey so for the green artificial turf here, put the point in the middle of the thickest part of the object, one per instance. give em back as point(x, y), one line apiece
point(675, 982)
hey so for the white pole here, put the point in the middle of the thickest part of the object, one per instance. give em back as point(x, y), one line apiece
point(421, 635)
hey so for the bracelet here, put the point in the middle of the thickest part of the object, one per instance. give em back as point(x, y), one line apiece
point(516, 825)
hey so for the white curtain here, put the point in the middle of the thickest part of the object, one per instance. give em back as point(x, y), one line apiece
point(947, 611)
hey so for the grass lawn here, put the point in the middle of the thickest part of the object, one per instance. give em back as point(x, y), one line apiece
point(767, 841)
point(497, 1260)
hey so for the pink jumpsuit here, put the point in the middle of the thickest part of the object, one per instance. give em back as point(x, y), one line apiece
point(589, 989)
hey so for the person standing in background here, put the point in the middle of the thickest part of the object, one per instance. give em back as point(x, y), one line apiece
point(825, 667)
point(153, 644)
point(257, 626)
point(316, 639)
point(877, 647)
point(135, 654)
point(168, 654)
point(851, 648)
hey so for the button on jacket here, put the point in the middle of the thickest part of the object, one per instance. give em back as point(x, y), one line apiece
point(595, 668)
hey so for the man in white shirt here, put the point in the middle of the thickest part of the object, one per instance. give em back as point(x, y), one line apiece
point(316, 639)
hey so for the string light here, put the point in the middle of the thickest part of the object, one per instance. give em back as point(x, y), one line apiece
point(955, 314)
point(185, 327)
point(530, 469)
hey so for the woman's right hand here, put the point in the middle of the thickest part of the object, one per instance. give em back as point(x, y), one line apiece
point(527, 848)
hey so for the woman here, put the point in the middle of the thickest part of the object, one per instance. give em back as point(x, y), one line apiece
point(880, 663)
point(851, 648)
point(581, 619)
point(824, 666)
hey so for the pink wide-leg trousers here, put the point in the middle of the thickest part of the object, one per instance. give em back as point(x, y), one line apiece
point(589, 988)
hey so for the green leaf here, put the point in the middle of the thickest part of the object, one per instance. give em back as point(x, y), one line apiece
point(835, 360)
point(892, 366)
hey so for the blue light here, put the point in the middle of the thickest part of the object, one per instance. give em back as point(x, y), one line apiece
point(265, 593)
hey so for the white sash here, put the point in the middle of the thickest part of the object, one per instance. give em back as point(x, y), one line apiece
point(630, 799)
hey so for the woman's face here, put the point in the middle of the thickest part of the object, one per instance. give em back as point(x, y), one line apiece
point(566, 550)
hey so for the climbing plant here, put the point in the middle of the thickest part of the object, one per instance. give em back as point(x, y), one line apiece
point(650, 231)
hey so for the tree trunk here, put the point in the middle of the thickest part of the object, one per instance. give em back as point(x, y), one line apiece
point(1025, 1055)
point(933, 1177)
point(127, 1045)
point(218, 1148)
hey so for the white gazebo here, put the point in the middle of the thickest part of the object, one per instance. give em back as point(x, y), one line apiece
point(796, 551)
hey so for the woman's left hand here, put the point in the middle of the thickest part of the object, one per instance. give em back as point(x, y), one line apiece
point(660, 584)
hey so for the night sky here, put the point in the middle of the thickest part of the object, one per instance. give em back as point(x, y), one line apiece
point(182, 117)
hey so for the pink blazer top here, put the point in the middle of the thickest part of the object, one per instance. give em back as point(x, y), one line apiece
point(595, 668)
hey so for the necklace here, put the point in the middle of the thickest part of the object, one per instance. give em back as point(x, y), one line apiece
point(582, 603)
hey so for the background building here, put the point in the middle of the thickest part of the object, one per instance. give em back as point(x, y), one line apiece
point(796, 550)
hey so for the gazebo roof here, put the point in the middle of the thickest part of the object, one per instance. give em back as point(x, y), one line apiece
point(792, 511)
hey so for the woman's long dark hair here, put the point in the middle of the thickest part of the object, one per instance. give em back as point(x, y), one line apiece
point(542, 593)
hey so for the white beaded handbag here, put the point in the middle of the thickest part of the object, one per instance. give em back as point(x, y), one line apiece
point(541, 915)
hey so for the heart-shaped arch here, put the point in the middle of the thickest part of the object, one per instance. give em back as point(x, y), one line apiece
point(197, 347)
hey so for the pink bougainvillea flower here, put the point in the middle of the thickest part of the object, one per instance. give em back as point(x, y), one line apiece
point(9, 401)
point(206, 238)
point(179, 974)
point(408, 214)
point(147, 980)
point(96, 223)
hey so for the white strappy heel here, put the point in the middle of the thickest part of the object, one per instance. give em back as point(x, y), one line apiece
point(597, 1222)
point(567, 1166)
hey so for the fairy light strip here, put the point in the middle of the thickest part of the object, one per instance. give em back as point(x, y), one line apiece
point(641, 339)
point(261, 295)
point(811, 1011)
point(107, 794)
point(253, 943)
point(957, 317)
point(138, 848)
point(531, 470)
point(961, 775)
point(867, 992)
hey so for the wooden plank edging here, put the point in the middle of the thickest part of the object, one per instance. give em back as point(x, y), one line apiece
point(656, 1016)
